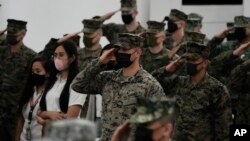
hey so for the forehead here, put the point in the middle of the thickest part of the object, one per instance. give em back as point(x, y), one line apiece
point(37, 64)
point(60, 49)
point(126, 12)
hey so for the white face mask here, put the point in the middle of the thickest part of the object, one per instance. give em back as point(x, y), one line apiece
point(61, 64)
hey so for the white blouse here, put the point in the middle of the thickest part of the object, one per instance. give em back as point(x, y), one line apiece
point(53, 95)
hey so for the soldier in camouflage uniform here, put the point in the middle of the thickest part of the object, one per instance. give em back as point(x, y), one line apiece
point(241, 33)
point(129, 12)
point(15, 60)
point(176, 28)
point(194, 24)
point(92, 34)
point(236, 72)
point(153, 121)
point(119, 88)
point(202, 102)
point(154, 55)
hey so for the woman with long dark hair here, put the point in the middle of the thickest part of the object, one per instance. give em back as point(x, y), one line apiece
point(29, 104)
point(59, 101)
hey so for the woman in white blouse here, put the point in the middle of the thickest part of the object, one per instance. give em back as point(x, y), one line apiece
point(28, 127)
point(59, 101)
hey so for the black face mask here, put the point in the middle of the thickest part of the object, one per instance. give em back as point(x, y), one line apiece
point(192, 69)
point(231, 37)
point(240, 33)
point(143, 134)
point(172, 27)
point(123, 59)
point(11, 39)
point(127, 19)
point(38, 79)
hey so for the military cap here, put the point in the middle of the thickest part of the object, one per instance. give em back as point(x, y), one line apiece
point(193, 21)
point(129, 40)
point(15, 25)
point(195, 17)
point(155, 27)
point(194, 37)
point(150, 110)
point(127, 5)
point(241, 21)
point(71, 130)
point(176, 15)
point(91, 25)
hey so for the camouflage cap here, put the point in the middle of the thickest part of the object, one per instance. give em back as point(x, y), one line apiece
point(194, 51)
point(127, 5)
point(149, 110)
point(241, 21)
point(15, 25)
point(155, 27)
point(193, 21)
point(176, 15)
point(129, 40)
point(195, 17)
point(71, 130)
point(91, 25)
point(194, 37)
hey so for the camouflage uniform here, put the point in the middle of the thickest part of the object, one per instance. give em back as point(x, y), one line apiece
point(85, 55)
point(217, 47)
point(203, 109)
point(174, 16)
point(2, 39)
point(239, 83)
point(151, 61)
point(112, 30)
point(13, 72)
point(118, 92)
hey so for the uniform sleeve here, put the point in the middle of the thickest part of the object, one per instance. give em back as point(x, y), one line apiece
point(239, 78)
point(108, 30)
point(90, 80)
point(76, 98)
point(167, 80)
point(223, 64)
point(214, 45)
point(222, 114)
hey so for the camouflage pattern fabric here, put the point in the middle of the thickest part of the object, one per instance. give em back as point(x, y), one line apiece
point(151, 62)
point(85, 56)
point(128, 41)
point(118, 92)
point(203, 109)
point(112, 30)
point(176, 15)
point(13, 72)
point(239, 83)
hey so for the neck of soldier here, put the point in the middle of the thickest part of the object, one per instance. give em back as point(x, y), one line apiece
point(198, 77)
point(178, 36)
point(156, 49)
point(95, 47)
point(132, 26)
point(132, 69)
point(17, 47)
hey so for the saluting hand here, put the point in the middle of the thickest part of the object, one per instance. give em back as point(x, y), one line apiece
point(171, 67)
point(242, 49)
point(107, 55)
point(223, 33)
point(109, 15)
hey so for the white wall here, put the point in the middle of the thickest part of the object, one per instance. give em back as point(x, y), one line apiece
point(53, 18)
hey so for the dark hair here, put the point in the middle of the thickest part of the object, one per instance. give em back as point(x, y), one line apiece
point(71, 51)
point(29, 87)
